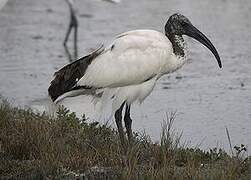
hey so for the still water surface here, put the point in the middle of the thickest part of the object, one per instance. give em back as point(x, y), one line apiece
point(207, 99)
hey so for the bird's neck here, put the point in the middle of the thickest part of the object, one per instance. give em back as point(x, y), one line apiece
point(179, 47)
point(179, 53)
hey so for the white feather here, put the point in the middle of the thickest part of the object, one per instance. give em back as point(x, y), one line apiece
point(129, 67)
point(132, 93)
point(135, 57)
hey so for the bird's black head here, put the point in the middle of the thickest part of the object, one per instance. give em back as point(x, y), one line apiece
point(178, 24)
point(175, 24)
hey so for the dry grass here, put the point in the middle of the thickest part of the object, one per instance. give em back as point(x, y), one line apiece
point(34, 146)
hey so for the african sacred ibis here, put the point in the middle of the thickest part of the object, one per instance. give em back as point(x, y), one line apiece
point(127, 69)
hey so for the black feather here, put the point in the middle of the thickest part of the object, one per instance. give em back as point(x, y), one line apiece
point(66, 78)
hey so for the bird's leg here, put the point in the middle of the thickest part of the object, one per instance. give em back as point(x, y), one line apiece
point(67, 34)
point(75, 25)
point(66, 40)
point(118, 119)
point(72, 15)
point(128, 123)
point(68, 53)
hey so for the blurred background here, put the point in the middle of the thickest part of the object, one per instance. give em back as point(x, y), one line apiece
point(206, 99)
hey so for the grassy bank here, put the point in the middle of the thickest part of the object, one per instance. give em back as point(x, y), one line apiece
point(34, 146)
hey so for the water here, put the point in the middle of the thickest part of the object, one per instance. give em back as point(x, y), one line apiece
point(207, 99)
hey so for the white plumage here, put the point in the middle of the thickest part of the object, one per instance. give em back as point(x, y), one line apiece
point(132, 64)
point(127, 69)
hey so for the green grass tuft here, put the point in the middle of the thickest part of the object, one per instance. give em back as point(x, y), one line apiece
point(35, 146)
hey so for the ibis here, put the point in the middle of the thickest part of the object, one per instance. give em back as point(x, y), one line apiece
point(127, 69)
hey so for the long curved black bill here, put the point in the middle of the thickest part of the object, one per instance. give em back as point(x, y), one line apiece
point(193, 32)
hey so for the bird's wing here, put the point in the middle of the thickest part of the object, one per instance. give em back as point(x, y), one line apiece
point(132, 58)
point(65, 79)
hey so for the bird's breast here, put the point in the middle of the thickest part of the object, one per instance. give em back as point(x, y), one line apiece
point(172, 64)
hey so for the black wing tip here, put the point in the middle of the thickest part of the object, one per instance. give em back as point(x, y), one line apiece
point(61, 84)
point(53, 98)
point(51, 94)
